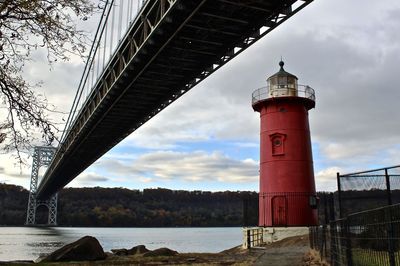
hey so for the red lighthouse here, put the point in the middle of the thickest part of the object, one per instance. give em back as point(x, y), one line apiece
point(287, 187)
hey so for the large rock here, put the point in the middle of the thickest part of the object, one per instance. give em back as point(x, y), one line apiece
point(120, 252)
point(138, 250)
point(87, 248)
point(161, 252)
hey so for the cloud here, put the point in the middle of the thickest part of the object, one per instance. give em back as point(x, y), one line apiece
point(247, 144)
point(92, 177)
point(88, 179)
point(25, 176)
point(201, 115)
point(12, 172)
point(145, 179)
point(197, 166)
point(326, 179)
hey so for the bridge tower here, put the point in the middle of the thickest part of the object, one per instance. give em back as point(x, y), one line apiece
point(287, 188)
point(42, 156)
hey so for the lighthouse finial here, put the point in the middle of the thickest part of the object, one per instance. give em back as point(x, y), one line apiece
point(281, 63)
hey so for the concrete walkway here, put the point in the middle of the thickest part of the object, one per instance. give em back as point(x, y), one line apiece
point(288, 252)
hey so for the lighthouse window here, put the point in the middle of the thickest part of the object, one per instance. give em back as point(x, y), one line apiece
point(282, 82)
point(277, 141)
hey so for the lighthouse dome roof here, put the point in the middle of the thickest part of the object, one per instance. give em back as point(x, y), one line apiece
point(282, 72)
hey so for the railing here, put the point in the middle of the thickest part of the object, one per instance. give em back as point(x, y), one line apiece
point(319, 240)
point(365, 238)
point(288, 208)
point(269, 92)
point(253, 237)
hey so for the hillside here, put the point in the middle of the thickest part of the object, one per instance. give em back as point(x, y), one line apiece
point(163, 207)
point(123, 207)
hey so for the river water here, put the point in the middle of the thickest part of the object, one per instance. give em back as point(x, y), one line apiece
point(28, 243)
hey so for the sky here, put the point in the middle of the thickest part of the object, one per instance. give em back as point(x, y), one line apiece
point(348, 51)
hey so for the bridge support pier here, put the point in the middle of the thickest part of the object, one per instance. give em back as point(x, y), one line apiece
point(42, 156)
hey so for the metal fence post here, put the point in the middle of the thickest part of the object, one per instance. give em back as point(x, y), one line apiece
point(348, 242)
point(248, 239)
point(327, 215)
point(390, 235)
point(334, 243)
point(331, 204)
point(324, 249)
point(389, 193)
point(339, 194)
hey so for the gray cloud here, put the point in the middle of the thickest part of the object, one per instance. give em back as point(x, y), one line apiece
point(184, 166)
point(89, 179)
point(92, 178)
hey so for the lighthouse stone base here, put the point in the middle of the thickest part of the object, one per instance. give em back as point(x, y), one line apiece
point(273, 234)
point(257, 236)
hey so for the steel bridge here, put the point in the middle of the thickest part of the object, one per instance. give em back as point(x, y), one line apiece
point(146, 54)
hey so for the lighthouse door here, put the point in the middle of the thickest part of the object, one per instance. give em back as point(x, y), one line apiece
point(279, 211)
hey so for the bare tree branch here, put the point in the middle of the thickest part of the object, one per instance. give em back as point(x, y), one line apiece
point(26, 26)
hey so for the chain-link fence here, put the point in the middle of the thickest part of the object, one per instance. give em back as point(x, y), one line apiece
point(364, 238)
point(360, 223)
point(368, 189)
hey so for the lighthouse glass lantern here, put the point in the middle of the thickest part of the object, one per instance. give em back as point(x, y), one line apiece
point(282, 83)
point(287, 188)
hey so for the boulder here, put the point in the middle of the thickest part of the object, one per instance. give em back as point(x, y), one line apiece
point(161, 252)
point(109, 254)
point(138, 250)
point(87, 248)
point(120, 252)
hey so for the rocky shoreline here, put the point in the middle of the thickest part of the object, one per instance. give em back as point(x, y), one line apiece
point(291, 251)
point(88, 251)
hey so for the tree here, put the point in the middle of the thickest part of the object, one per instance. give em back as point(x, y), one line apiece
point(26, 26)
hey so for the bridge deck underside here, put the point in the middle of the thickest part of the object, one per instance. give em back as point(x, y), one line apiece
point(186, 46)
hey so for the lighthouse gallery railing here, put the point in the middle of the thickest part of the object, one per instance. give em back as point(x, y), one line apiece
point(269, 92)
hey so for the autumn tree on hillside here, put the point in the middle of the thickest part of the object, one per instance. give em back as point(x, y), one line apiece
point(26, 26)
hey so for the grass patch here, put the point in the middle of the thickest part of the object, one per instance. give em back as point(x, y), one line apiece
point(369, 257)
